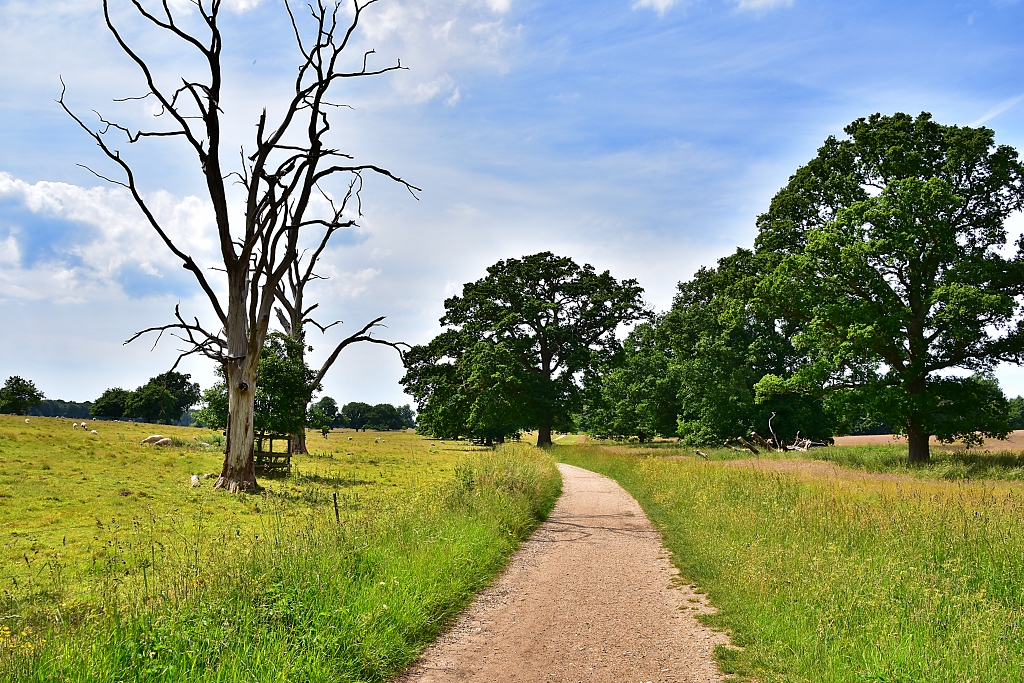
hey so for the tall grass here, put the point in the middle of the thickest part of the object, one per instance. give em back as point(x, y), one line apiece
point(853, 580)
point(946, 463)
point(302, 600)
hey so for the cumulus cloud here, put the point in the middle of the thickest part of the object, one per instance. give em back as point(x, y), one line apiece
point(500, 6)
point(440, 41)
point(10, 254)
point(96, 235)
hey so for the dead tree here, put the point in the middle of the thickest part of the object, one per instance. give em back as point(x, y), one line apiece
point(290, 163)
point(294, 315)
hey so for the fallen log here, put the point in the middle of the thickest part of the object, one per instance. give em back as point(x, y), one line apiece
point(749, 446)
point(759, 440)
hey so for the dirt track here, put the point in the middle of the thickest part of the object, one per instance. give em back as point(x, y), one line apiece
point(589, 597)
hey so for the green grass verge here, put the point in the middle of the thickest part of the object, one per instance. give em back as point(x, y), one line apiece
point(297, 598)
point(859, 579)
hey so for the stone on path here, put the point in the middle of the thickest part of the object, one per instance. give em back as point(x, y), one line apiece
point(589, 597)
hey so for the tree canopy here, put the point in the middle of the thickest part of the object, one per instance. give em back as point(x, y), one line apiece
point(357, 414)
point(163, 398)
point(889, 255)
point(638, 395)
point(18, 395)
point(111, 403)
point(517, 344)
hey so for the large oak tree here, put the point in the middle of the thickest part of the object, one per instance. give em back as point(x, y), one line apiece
point(525, 334)
point(891, 258)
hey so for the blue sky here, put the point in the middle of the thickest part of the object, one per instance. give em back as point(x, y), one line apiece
point(642, 137)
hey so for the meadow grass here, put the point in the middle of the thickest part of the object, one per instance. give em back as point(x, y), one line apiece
point(853, 578)
point(194, 585)
point(949, 463)
point(66, 495)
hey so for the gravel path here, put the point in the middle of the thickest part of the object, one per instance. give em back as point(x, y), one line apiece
point(589, 597)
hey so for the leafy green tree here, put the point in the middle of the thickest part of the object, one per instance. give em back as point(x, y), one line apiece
point(18, 395)
point(111, 403)
point(455, 398)
point(55, 407)
point(408, 416)
point(281, 395)
point(889, 254)
point(214, 413)
point(151, 402)
point(384, 417)
point(328, 406)
point(721, 342)
point(542, 321)
point(638, 396)
point(163, 398)
point(319, 420)
point(186, 393)
point(356, 414)
point(1015, 413)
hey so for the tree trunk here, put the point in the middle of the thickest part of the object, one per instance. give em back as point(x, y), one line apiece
point(917, 435)
point(640, 435)
point(299, 442)
point(500, 438)
point(488, 441)
point(917, 441)
point(238, 472)
point(544, 436)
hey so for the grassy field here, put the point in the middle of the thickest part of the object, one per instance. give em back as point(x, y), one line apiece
point(851, 577)
point(947, 463)
point(116, 568)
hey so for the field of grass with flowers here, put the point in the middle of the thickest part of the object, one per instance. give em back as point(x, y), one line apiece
point(830, 574)
point(116, 568)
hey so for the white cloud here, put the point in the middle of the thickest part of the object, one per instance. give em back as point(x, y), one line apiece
point(241, 5)
point(10, 255)
point(500, 6)
point(454, 99)
point(105, 235)
point(759, 5)
point(659, 6)
point(439, 41)
point(425, 92)
point(187, 6)
point(348, 284)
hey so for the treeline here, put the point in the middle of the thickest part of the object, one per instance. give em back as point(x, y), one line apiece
point(164, 398)
point(880, 290)
point(281, 405)
point(58, 408)
point(281, 400)
point(357, 415)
